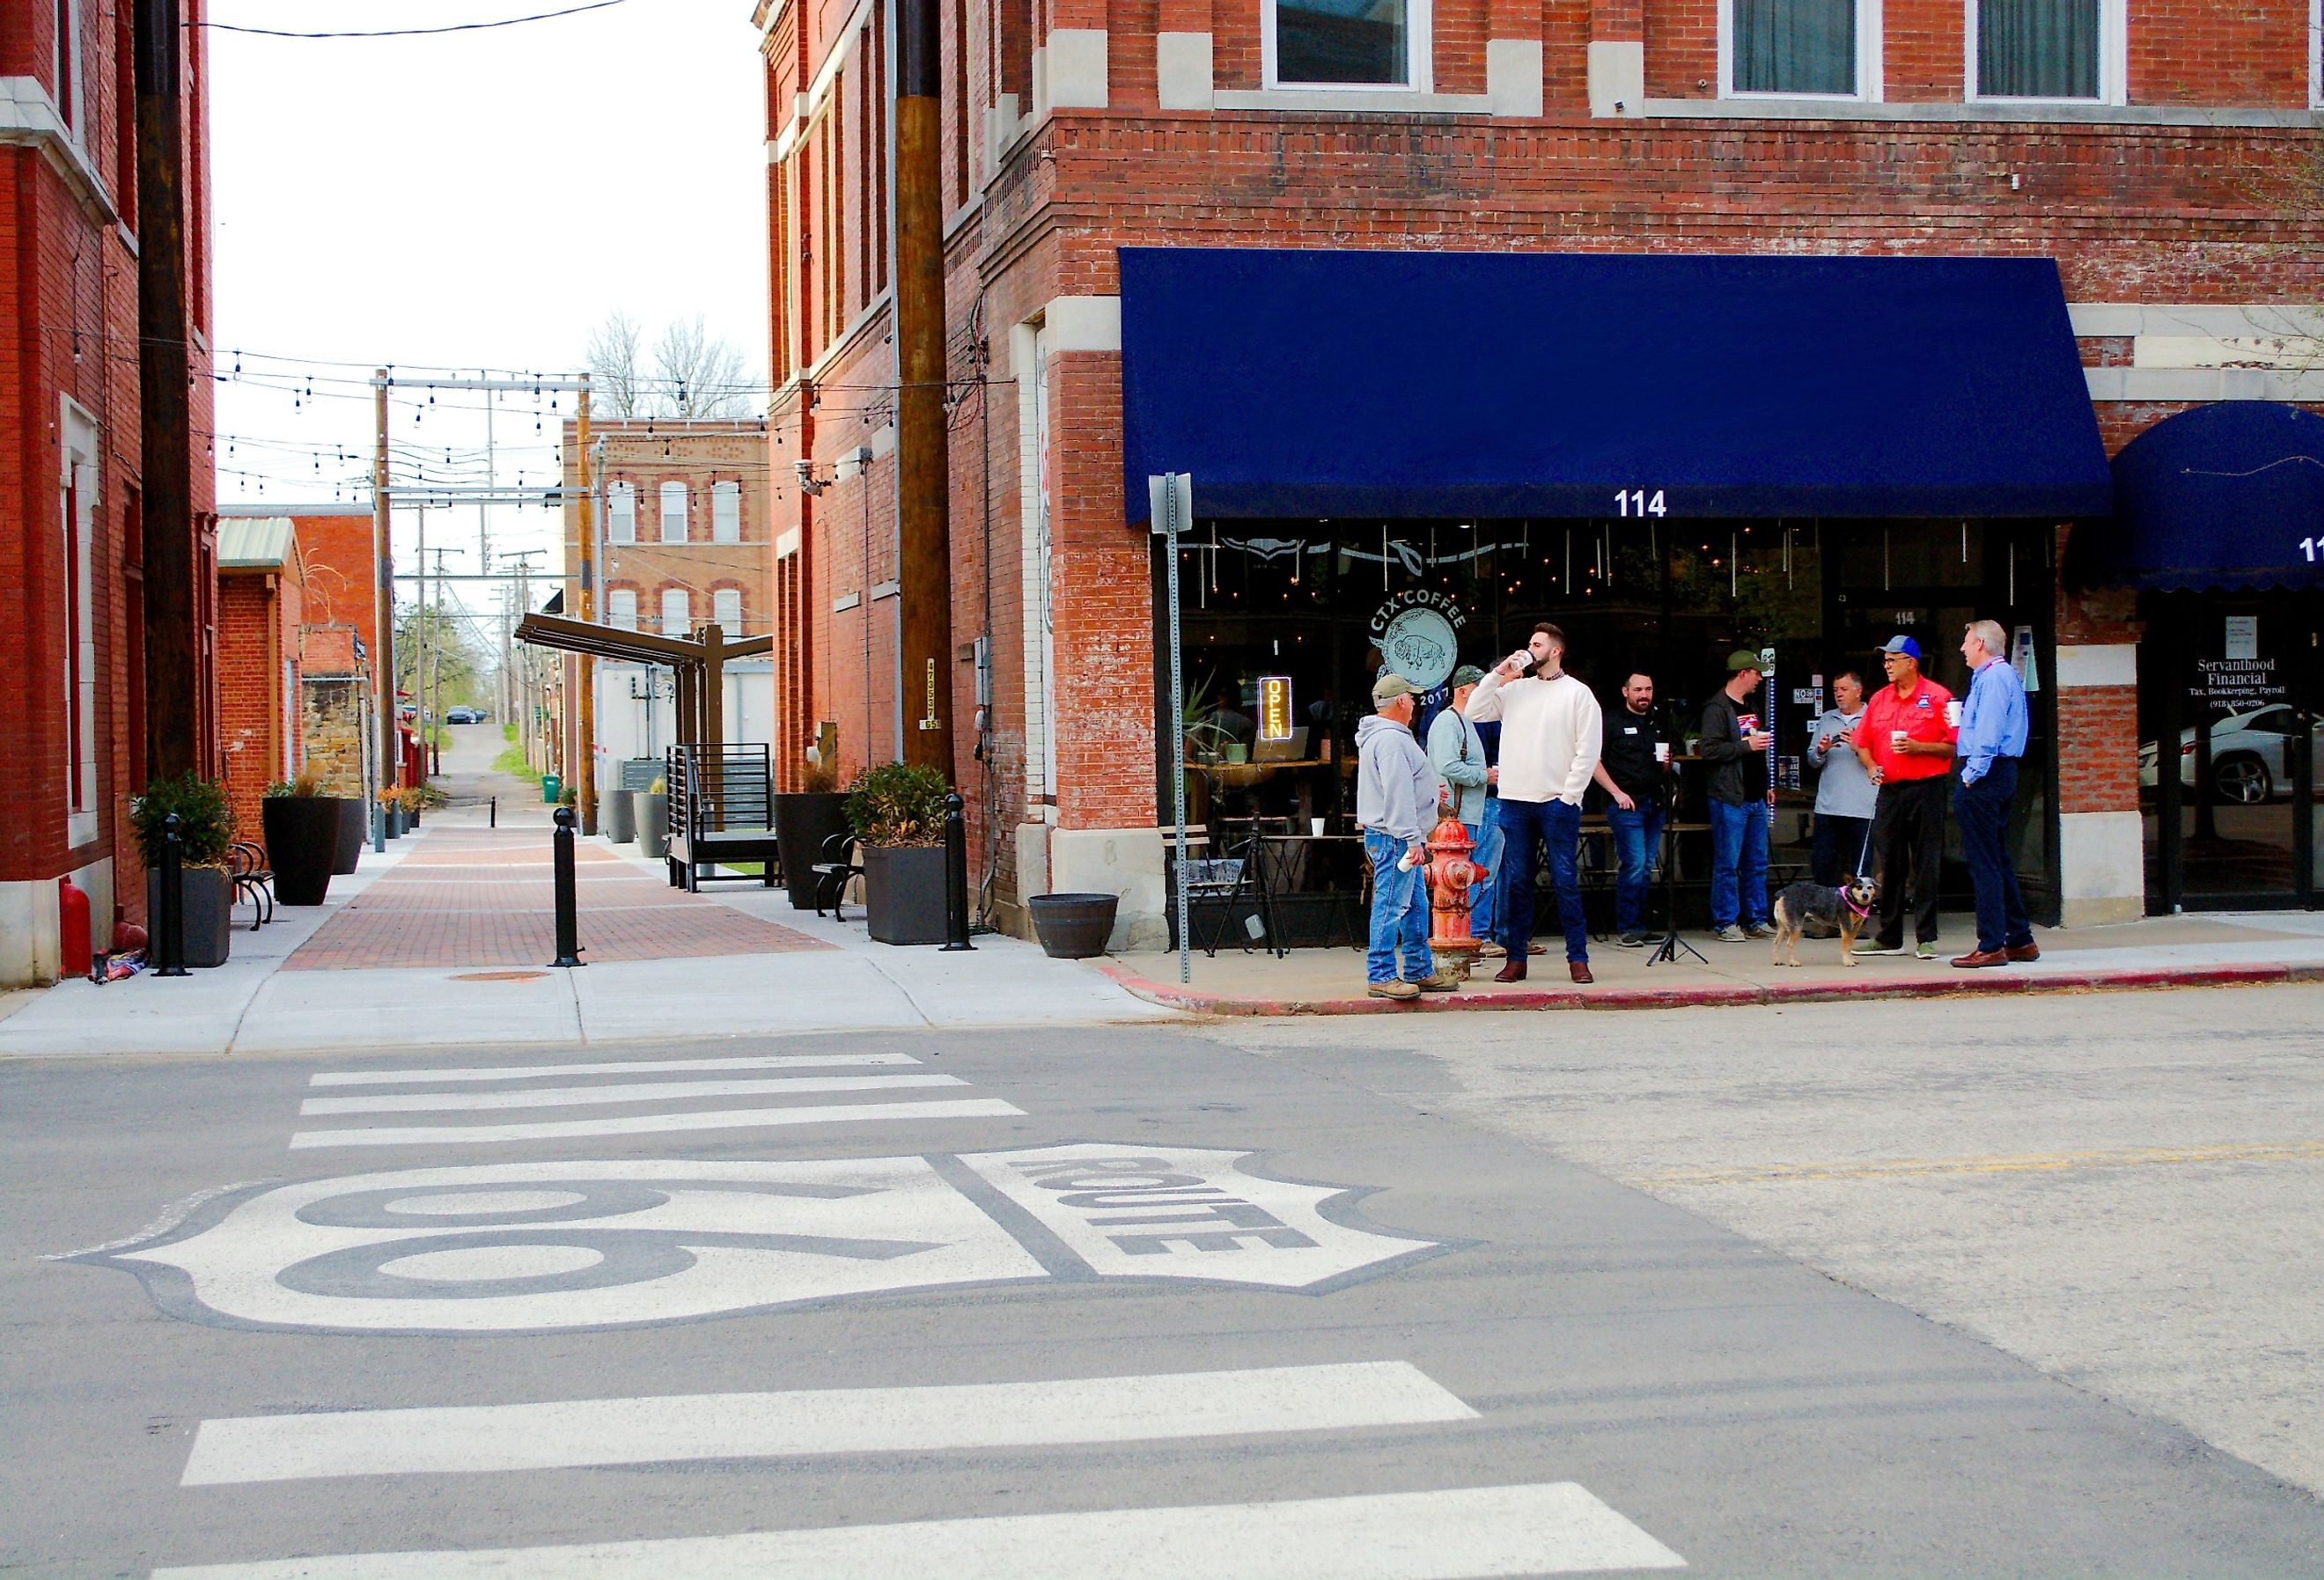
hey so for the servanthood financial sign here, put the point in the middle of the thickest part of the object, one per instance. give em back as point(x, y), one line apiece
point(530, 1247)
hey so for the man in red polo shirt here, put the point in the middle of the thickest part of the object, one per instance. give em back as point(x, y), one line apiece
point(1905, 743)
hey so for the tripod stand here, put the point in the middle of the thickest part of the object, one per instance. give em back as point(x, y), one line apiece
point(1668, 950)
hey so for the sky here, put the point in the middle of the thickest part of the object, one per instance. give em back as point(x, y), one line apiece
point(471, 200)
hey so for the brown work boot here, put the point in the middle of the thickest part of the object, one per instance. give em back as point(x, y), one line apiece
point(2028, 950)
point(1580, 970)
point(1442, 982)
point(1393, 990)
point(1513, 969)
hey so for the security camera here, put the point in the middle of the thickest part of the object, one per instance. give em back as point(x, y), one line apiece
point(806, 479)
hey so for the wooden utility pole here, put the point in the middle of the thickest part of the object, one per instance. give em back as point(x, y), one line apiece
point(383, 549)
point(584, 771)
point(923, 474)
point(173, 680)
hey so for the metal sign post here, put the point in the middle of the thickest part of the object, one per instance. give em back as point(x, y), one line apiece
point(1170, 501)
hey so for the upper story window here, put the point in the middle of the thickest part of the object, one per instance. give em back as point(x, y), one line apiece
point(2047, 49)
point(726, 608)
point(726, 513)
point(68, 82)
point(621, 512)
point(673, 513)
point(1821, 48)
point(674, 615)
point(1346, 43)
point(621, 607)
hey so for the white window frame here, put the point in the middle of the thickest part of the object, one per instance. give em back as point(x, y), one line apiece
point(726, 512)
point(669, 490)
point(2316, 54)
point(1870, 64)
point(2114, 60)
point(621, 607)
point(726, 609)
point(621, 512)
point(77, 489)
point(1420, 43)
point(72, 84)
point(675, 603)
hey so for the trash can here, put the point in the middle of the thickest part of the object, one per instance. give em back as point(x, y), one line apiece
point(621, 816)
point(551, 787)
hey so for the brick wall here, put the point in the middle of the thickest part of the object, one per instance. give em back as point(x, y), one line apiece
point(259, 695)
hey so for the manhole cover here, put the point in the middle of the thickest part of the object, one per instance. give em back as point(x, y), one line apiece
point(498, 976)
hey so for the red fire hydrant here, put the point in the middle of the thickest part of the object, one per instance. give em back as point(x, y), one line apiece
point(1451, 875)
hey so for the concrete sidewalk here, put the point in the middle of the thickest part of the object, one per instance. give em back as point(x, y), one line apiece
point(2182, 951)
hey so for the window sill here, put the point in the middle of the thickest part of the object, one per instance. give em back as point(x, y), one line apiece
point(2001, 111)
point(1393, 101)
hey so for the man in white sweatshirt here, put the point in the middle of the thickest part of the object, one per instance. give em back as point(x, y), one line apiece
point(1552, 731)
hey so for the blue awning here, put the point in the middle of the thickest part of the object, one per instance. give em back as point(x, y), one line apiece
point(1300, 383)
point(2226, 495)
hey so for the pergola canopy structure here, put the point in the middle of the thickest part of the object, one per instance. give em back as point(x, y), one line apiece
point(699, 662)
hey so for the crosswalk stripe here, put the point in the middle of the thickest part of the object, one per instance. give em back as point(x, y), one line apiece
point(1472, 1533)
point(642, 1124)
point(562, 1434)
point(593, 1096)
point(777, 1061)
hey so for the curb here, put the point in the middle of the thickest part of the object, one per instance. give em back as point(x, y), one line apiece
point(1171, 995)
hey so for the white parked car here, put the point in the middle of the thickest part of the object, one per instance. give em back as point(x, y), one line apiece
point(2250, 763)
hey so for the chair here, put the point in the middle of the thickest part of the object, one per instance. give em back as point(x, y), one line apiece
point(252, 880)
point(1205, 877)
point(831, 873)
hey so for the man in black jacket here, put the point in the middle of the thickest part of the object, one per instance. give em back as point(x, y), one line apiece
point(1736, 747)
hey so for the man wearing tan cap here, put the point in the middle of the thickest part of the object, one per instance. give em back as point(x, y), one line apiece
point(1395, 800)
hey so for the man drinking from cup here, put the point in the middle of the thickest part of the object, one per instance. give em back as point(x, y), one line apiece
point(1905, 745)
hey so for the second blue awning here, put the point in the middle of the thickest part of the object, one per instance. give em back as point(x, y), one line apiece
point(1303, 384)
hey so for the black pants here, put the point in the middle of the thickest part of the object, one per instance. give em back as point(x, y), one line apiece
point(1908, 837)
point(1840, 847)
point(1982, 810)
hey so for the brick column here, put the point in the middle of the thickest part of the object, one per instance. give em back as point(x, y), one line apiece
point(2101, 836)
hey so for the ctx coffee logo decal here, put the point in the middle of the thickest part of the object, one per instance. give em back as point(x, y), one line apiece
point(1419, 634)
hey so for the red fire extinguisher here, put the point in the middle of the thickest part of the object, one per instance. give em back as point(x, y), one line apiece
point(72, 927)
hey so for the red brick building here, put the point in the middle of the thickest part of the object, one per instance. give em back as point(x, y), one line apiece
point(262, 613)
point(72, 659)
point(2160, 156)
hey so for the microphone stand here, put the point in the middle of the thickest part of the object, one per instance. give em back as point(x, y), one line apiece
point(1668, 950)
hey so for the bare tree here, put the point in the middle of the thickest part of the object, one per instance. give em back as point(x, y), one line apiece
point(697, 373)
point(614, 355)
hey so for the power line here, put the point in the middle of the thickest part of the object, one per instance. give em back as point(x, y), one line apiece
point(407, 33)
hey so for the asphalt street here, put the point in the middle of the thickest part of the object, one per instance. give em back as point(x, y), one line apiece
point(1127, 1301)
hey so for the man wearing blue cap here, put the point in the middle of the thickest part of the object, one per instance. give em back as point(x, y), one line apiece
point(1906, 746)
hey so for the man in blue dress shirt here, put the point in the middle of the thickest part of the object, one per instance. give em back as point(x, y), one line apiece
point(1993, 731)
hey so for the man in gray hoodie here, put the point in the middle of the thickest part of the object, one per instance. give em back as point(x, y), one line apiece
point(1396, 804)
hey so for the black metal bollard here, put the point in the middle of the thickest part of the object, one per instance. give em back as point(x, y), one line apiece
point(955, 875)
point(493, 813)
point(170, 926)
point(568, 947)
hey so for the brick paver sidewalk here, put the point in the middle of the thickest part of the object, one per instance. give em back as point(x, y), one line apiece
point(477, 897)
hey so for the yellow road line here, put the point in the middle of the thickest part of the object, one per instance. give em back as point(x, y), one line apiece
point(2028, 1163)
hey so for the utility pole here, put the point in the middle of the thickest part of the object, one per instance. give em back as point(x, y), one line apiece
point(173, 678)
point(434, 695)
point(382, 544)
point(516, 603)
point(923, 476)
point(584, 771)
point(427, 640)
point(492, 481)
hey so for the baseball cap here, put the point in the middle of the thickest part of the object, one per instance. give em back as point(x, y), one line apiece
point(1740, 660)
point(1466, 675)
point(1902, 644)
point(1388, 687)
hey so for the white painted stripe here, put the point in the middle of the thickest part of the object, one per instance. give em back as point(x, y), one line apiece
point(643, 1124)
point(468, 1439)
point(1470, 1533)
point(593, 1096)
point(647, 1067)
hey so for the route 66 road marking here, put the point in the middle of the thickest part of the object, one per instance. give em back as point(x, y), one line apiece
point(534, 1247)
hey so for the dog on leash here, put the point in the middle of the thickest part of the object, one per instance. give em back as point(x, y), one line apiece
point(1843, 910)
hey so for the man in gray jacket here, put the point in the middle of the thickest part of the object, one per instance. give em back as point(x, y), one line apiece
point(1458, 753)
point(1395, 803)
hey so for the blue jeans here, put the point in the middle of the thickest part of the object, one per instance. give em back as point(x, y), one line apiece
point(1557, 823)
point(1399, 913)
point(1738, 855)
point(1482, 924)
point(1982, 811)
point(1638, 835)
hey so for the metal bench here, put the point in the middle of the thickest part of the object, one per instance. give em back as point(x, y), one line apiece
point(252, 880)
point(831, 873)
point(721, 811)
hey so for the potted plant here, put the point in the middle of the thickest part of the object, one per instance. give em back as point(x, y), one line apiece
point(301, 830)
point(804, 819)
point(355, 829)
point(411, 797)
point(652, 805)
point(897, 812)
point(205, 836)
point(391, 811)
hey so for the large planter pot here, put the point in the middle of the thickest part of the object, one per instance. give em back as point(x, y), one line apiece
point(392, 819)
point(652, 813)
point(207, 929)
point(622, 816)
point(355, 827)
point(302, 843)
point(904, 893)
point(1073, 927)
point(804, 819)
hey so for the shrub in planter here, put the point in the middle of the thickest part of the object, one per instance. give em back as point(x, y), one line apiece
point(301, 827)
point(652, 806)
point(205, 835)
point(391, 812)
point(897, 813)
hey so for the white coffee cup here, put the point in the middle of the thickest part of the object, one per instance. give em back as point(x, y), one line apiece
point(1952, 713)
point(1662, 751)
point(1896, 739)
point(1315, 826)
